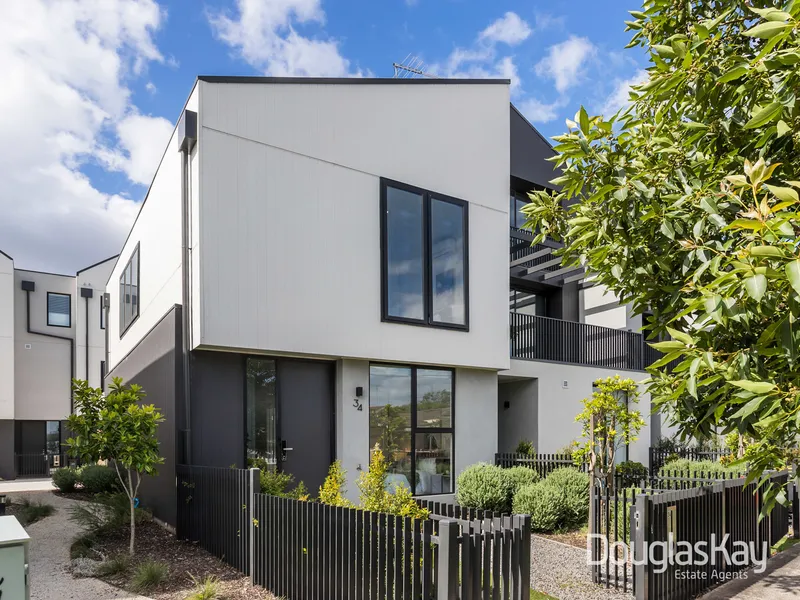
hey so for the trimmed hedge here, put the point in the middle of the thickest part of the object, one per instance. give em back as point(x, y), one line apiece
point(704, 467)
point(574, 486)
point(98, 479)
point(543, 502)
point(631, 473)
point(65, 479)
point(485, 487)
point(519, 477)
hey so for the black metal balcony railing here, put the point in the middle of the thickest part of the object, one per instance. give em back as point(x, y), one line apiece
point(543, 338)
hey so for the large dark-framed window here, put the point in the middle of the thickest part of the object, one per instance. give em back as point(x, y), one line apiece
point(59, 310)
point(411, 418)
point(517, 218)
point(424, 257)
point(129, 293)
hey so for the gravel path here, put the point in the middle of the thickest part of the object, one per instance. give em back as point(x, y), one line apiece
point(561, 571)
point(49, 554)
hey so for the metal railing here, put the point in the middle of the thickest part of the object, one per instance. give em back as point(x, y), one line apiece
point(543, 464)
point(543, 338)
point(659, 457)
point(41, 464)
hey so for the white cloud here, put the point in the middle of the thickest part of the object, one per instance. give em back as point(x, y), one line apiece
point(263, 32)
point(509, 29)
point(481, 60)
point(564, 63)
point(151, 87)
point(65, 67)
point(142, 140)
point(537, 111)
point(620, 97)
point(544, 21)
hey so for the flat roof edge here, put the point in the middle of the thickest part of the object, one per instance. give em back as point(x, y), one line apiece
point(351, 80)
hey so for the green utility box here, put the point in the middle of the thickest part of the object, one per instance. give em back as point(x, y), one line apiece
point(14, 580)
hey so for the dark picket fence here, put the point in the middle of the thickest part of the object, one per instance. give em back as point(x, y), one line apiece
point(659, 457)
point(307, 550)
point(698, 514)
point(214, 511)
point(543, 464)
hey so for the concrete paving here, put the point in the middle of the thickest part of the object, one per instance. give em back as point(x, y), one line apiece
point(26, 485)
point(780, 581)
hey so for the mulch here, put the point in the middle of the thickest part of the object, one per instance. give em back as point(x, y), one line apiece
point(184, 559)
point(571, 538)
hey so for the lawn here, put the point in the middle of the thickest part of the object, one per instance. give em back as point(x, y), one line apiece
point(540, 596)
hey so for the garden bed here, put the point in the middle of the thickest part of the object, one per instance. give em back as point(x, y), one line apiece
point(184, 561)
point(576, 539)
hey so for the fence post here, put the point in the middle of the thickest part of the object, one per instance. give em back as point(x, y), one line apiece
point(796, 507)
point(447, 577)
point(524, 523)
point(641, 539)
point(255, 483)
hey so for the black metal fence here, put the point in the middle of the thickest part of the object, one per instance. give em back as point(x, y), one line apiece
point(659, 457)
point(307, 551)
point(724, 514)
point(214, 511)
point(543, 464)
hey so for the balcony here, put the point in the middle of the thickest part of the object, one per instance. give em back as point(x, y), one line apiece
point(536, 263)
point(543, 338)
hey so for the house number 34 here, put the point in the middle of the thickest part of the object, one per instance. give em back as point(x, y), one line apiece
point(357, 404)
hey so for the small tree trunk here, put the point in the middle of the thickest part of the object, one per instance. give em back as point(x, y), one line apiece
point(133, 513)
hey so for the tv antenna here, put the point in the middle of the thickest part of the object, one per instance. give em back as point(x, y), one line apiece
point(411, 67)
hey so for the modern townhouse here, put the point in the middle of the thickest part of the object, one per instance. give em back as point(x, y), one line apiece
point(322, 264)
point(52, 329)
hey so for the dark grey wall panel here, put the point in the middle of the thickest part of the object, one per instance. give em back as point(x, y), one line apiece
point(154, 364)
point(7, 449)
point(529, 151)
point(217, 409)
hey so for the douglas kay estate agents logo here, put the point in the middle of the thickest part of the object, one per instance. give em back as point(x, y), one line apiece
point(688, 560)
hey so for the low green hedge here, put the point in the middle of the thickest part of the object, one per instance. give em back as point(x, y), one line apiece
point(485, 487)
point(65, 479)
point(98, 479)
point(543, 502)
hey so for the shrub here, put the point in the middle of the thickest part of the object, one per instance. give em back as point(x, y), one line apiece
point(630, 473)
point(520, 477)
point(81, 546)
point(148, 575)
point(543, 502)
point(114, 566)
point(525, 447)
point(275, 483)
point(574, 486)
point(485, 487)
point(374, 496)
point(332, 490)
point(207, 588)
point(28, 512)
point(98, 479)
point(65, 479)
point(706, 468)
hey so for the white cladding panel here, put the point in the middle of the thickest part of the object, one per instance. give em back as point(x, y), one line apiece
point(289, 219)
point(157, 230)
point(558, 405)
point(42, 365)
point(6, 337)
point(94, 278)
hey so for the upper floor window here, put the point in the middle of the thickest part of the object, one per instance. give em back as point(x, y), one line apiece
point(129, 292)
point(516, 216)
point(102, 312)
point(59, 310)
point(424, 257)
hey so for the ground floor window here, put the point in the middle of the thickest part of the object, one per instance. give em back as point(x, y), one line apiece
point(261, 434)
point(411, 419)
point(53, 437)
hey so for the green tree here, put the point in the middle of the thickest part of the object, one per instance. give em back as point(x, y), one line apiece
point(118, 428)
point(685, 205)
point(608, 424)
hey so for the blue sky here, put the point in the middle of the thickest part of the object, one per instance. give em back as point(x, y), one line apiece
point(93, 89)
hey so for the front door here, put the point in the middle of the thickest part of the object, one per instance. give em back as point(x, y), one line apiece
point(305, 414)
point(290, 417)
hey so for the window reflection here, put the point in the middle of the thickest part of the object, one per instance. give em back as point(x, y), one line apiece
point(405, 254)
point(261, 414)
point(447, 261)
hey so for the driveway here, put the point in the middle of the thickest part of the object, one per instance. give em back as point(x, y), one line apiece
point(49, 553)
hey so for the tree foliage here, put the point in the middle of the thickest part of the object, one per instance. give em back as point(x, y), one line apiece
point(685, 205)
point(119, 428)
point(608, 424)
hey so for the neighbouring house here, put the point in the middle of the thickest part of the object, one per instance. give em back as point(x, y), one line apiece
point(322, 264)
point(52, 329)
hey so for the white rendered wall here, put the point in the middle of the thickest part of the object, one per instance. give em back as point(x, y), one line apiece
point(157, 230)
point(289, 215)
point(558, 406)
point(94, 278)
point(6, 337)
point(42, 367)
point(475, 426)
point(609, 312)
